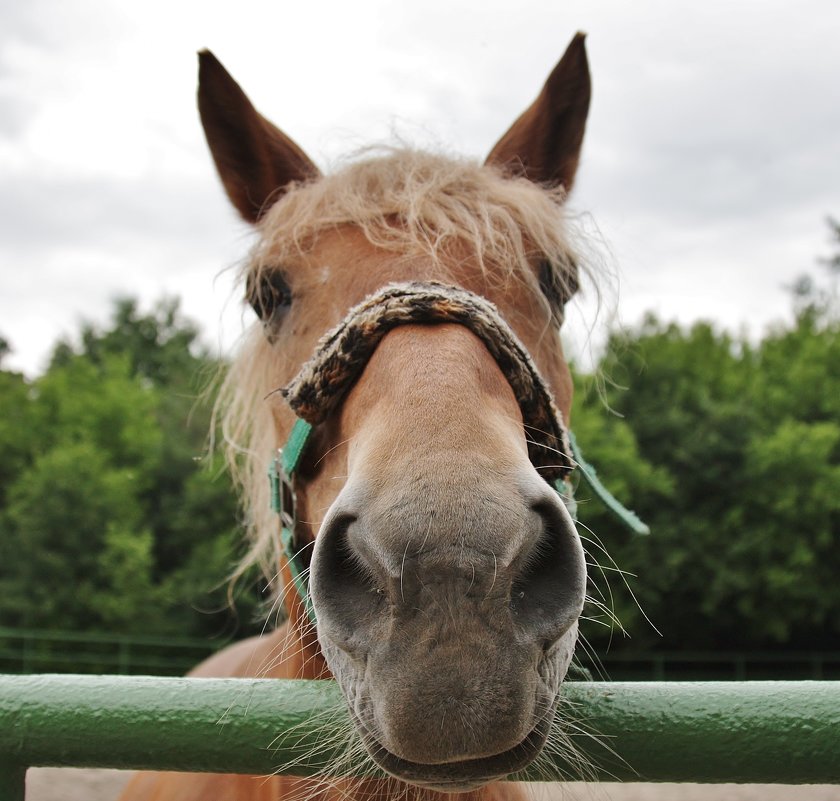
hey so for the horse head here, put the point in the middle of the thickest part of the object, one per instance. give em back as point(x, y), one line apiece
point(446, 574)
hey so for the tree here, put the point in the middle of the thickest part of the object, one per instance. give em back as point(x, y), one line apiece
point(75, 533)
point(15, 429)
point(110, 517)
point(736, 471)
point(161, 346)
point(832, 262)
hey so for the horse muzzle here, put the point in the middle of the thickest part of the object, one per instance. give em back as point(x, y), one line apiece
point(450, 649)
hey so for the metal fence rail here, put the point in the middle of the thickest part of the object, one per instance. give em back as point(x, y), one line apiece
point(787, 732)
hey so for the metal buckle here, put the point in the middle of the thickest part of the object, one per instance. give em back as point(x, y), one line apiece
point(288, 501)
point(283, 500)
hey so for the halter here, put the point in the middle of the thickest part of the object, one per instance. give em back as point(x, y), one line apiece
point(324, 381)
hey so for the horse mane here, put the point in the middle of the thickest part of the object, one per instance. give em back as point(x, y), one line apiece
point(405, 201)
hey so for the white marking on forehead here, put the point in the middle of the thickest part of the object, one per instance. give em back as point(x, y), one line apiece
point(325, 273)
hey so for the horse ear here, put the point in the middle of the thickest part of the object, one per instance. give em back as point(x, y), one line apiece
point(544, 144)
point(256, 161)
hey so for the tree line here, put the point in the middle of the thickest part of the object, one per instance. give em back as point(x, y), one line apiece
point(730, 451)
point(114, 517)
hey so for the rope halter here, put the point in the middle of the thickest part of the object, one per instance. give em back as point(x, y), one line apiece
point(324, 381)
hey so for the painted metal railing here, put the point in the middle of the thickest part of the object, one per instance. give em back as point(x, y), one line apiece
point(765, 732)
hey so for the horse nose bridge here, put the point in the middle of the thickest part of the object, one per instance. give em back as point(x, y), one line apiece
point(432, 400)
point(453, 527)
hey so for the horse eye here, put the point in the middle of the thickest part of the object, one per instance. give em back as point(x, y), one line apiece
point(269, 295)
point(546, 276)
point(558, 285)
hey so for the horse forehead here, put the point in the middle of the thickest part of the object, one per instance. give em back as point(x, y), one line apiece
point(344, 261)
point(342, 267)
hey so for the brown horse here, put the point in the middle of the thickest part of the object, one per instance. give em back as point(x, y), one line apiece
point(446, 573)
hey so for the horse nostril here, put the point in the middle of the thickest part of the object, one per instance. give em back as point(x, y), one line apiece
point(346, 590)
point(548, 593)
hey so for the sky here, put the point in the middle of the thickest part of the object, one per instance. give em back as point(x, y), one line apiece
point(711, 160)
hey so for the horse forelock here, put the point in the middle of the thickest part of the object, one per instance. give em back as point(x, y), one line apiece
point(423, 204)
point(411, 203)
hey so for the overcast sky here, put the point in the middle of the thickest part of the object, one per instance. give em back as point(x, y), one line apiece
point(712, 154)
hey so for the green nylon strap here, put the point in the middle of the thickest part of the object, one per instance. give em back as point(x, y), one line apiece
point(282, 470)
point(274, 483)
point(626, 516)
point(567, 494)
point(294, 446)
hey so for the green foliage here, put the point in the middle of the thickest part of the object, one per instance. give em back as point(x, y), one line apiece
point(67, 502)
point(110, 516)
point(105, 405)
point(734, 461)
point(15, 429)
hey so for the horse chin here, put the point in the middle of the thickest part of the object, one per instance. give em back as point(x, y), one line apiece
point(461, 772)
point(464, 774)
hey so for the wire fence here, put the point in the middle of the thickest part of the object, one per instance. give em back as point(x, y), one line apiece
point(716, 666)
point(42, 651)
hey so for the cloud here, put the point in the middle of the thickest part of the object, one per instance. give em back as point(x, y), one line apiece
point(712, 153)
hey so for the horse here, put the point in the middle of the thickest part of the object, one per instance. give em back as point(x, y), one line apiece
point(406, 358)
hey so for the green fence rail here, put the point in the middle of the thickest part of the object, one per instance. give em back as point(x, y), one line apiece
point(786, 732)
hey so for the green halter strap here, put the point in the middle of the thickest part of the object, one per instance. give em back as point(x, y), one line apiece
point(626, 516)
point(281, 475)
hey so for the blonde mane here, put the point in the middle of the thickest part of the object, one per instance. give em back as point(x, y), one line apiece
point(406, 202)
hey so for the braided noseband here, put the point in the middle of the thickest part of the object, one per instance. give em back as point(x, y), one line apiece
point(324, 381)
